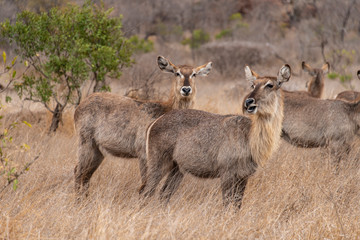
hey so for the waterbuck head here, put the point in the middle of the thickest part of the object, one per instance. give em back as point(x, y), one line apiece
point(185, 75)
point(316, 84)
point(264, 99)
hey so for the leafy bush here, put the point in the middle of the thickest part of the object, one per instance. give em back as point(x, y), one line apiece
point(9, 168)
point(238, 19)
point(342, 77)
point(345, 77)
point(141, 45)
point(224, 33)
point(198, 38)
point(236, 24)
point(333, 75)
point(66, 46)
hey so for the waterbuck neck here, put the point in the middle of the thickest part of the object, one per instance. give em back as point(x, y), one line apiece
point(266, 130)
point(316, 86)
point(176, 101)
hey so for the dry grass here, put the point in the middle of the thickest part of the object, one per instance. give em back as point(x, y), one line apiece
point(299, 194)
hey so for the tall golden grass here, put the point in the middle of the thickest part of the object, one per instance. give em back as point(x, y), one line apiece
point(298, 194)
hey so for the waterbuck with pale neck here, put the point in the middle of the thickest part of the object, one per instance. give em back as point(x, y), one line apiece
point(312, 122)
point(206, 145)
point(108, 123)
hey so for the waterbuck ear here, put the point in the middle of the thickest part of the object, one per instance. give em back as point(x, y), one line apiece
point(284, 74)
point(358, 74)
point(325, 68)
point(250, 75)
point(203, 70)
point(306, 67)
point(165, 65)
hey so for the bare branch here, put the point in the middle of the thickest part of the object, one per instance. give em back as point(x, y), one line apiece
point(38, 101)
point(12, 80)
point(21, 173)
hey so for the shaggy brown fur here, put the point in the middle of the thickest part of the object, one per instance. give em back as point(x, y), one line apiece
point(115, 124)
point(209, 145)
point(311, 122)
point(349, 96)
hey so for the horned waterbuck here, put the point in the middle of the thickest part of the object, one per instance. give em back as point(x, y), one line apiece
point(108, 123)
point(350, 96)
point(229, 147)
point(316, 84)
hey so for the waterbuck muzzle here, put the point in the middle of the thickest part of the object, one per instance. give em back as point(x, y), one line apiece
point(250, 105)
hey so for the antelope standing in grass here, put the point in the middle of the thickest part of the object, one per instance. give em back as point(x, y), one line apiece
point(209, 145)
point(316, 84)
point(350, 96)
point(117, 125)
point(311, 122)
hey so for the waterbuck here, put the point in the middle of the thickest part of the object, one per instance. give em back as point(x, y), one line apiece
point(350, 96)
point(108, 123)
point(312, 122)
point(229, 147)
point(316, 84)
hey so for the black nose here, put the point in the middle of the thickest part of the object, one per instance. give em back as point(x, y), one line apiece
point(249, 101)
point(186, 90)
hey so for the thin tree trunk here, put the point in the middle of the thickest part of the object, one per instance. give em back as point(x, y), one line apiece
point(98, 83)
point(98, 86)
point(323, 44)
point(57, 116)
point(346, 19)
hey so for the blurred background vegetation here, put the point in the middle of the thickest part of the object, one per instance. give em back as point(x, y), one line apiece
point(238, 33)
point(312, 29)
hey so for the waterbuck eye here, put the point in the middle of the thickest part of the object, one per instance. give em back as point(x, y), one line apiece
point(177, 74)
point(194, 75)
point(253, 86)
point(269, 85)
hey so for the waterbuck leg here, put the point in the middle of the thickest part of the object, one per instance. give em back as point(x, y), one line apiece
point(171, 184)
point(339, 151)
point(239, 191)
point(153, 179)
point(90, 159)
point(232, 189)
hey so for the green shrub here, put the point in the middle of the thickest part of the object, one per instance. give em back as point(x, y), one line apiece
point(67, 46)
point(345, 77)
point(198, 38)
point(238, 19)
point(10, 170)
point(224, 33)
point(333, 75)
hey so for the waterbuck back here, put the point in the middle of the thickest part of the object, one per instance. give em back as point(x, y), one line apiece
point(209, 145)
point(108, 123)
point(349, 96)
point(311, 122)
